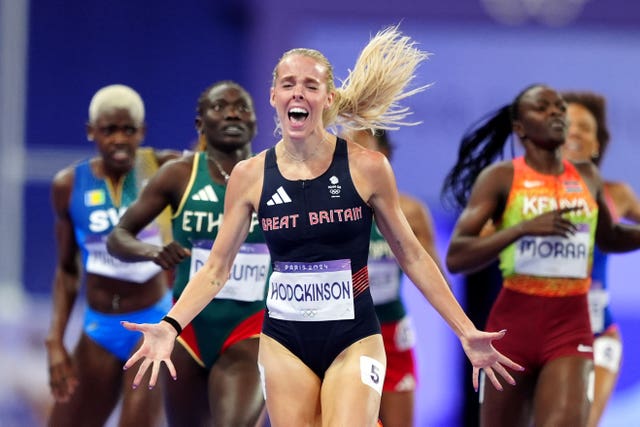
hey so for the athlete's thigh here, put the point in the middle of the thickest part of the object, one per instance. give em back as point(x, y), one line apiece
point(352, 385)
point(397, 408)
point(511, 407)
point(292, 390)
point(99, 377)
point(234, 385)
point(562, 394)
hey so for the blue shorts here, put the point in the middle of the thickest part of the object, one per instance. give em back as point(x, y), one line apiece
point(609, 323)
point(107, 332)
point(317, 344)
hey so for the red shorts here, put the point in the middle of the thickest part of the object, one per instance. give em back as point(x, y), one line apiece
point(398, 339)
point(541, 329)
point(207, 356)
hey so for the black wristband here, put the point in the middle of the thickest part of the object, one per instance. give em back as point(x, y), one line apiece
point(173, 322)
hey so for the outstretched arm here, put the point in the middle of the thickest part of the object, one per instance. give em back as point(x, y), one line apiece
point(376, 183)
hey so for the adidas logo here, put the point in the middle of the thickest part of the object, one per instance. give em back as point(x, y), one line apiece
point(407, 383)
point(206, 194)
point(279, 197)
point(585, 348)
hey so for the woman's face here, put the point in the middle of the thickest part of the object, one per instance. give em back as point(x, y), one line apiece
point(117, 136)
point(582, 137)
point(228, 119)
point(300, 95)
point(542, 117)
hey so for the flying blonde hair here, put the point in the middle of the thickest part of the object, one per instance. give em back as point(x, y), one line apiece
point(370, 95)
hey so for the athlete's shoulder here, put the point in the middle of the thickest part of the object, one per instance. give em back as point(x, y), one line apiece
point(172, 177)
point(590, 174)
point(184, 161)
point(65, 177)
point(494, 181)
point(586, 168)
point(252, 165)
point(365, 160)
point(165, 155)
point(62, 187)
point(498, 172)
point(503, 166)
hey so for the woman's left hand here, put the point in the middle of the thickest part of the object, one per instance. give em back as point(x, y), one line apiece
point(483, 355)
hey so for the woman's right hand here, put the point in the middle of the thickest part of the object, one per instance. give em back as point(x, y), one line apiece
point(62, 376)
point(551, 223)
point(157, 345)
point(171, 255)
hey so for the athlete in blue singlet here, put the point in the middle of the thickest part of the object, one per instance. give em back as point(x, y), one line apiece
point(88, 200)
point(587, 141)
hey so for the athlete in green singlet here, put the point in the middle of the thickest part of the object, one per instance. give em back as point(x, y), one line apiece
point(219, 381)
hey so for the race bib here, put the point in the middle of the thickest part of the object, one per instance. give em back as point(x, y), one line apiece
point(372, 373)
point(405, 334)
point(384, 280)
point(248, 274)
point(554, 256)
point(598, 302)
point(100, 262)
point(310, 292)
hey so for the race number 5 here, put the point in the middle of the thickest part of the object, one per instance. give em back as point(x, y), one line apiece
point(372, 373)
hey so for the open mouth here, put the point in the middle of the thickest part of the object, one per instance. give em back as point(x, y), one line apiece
point(573, 144)
point(298, 114)
point(233, 130)
point(121, 154)
point(558, 124)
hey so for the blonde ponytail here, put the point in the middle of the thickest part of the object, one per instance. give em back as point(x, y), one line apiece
point(371, 94)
